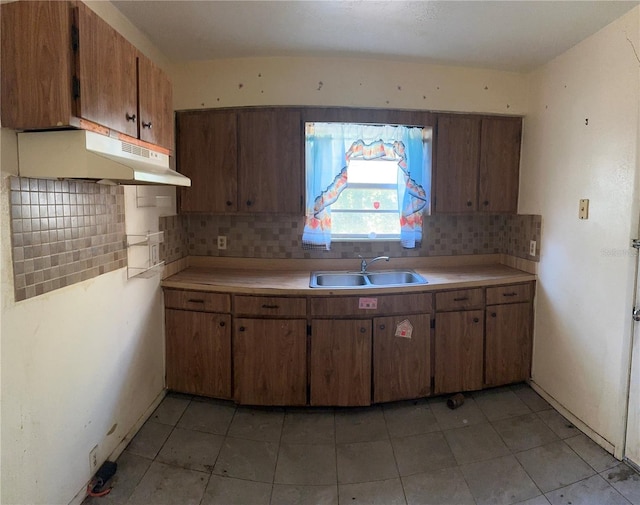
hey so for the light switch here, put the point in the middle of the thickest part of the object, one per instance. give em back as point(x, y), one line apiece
point(583, 213)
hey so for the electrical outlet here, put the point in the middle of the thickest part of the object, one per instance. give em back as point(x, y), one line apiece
point(532, 248)
point(93, 460)
point(222, 242)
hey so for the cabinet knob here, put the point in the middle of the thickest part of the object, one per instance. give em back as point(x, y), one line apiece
point(222, 323)
point(469, 203)
point(476, 320)
point(382, 326)
point(147, 125)
point(242, 328)
point(485, 203)
point(363, 330)
point(130, 117)
point(229, 203)
point(249, 203)
point(493, 314)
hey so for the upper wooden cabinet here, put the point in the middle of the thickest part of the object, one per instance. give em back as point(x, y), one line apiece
point(477, 164)
point(62, 64)
point(244, 160)
point(206, 151)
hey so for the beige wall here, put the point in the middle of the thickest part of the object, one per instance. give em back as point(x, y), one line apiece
point(80, 366)
point(346, 82)
point(586, 271)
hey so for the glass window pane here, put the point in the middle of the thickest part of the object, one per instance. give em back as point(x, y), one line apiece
point(367, 199)
point(364, 223)
point(373, 171)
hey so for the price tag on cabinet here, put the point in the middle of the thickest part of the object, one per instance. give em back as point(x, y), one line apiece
point(368, 303)
point(404, 329)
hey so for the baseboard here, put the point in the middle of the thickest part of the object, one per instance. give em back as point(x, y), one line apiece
point(597, 438)
point(115, 454)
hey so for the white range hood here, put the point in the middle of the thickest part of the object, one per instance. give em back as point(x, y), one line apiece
point(82, 154)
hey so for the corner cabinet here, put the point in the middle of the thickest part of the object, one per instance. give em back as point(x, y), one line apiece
point(477, 164)
point(62, 66)
point(241, 161)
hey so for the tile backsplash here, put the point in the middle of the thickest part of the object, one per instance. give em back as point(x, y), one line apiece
point(64, 232)
point(271, 236)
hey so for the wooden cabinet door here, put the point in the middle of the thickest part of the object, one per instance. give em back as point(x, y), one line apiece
point(207, 151)
point(458, 351)
point(340, 364)
point(508, 343)
point(270, 361)
point(456, 169)
point(198, 353)
point(499, 164)
point(36, 67)
point(155, 101)
point(270, 161)
point(107, 72)
point(401, 365)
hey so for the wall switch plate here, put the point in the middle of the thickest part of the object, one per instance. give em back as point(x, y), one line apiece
point(93, 460)
point(583, 213)
point(532, 248)
point(222, 242)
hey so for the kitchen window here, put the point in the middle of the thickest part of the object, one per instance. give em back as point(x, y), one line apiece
point(366, 183)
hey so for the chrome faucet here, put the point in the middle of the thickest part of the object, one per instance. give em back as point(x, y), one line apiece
point(364, 263)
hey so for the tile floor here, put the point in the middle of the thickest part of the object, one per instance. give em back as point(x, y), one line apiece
point(503, 446)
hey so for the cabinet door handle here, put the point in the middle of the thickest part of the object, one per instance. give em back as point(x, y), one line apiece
point(509, 294)
point(242, 328)
point(193, 300)
point(461, 299)
point(363, 330)
point(130, 117)
point(493, 314)
point(222, 323)
point(382, 326)
point(476, 320)
point(147, 125)
point(267, 306)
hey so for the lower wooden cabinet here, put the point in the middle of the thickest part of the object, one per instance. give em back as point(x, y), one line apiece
point(508, 343)
point(340, 362)
point(458, 351)
point(270, 361)
point(401, 364)
point(198, 350)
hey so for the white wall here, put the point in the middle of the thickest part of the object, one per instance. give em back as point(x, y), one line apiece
point(586, 271)
point(346, 82)
point(80, 366)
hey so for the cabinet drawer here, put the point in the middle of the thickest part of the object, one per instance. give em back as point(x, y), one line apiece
point(199, 301)
point(270, 306)
point(460, 299)
point(384, 304)
point(510, 294)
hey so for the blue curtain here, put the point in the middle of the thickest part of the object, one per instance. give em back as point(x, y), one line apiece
point(330, 146)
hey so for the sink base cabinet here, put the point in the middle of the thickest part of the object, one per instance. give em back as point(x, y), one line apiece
point(270, 361)
point(458, 351)
point(340, 362)
point(198, 350)
point(401, 364)
point(508, 343)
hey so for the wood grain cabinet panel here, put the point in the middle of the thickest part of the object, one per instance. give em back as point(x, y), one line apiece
point(508, 343)
point(198, 353)
point(499, 164)
point(456, 170)
point(270, 306)
point(340, 362)
point(460, 299)
point(458, 351)
point(155, 94)
point(201, 301)
point(346, 306)
point(270, 361)
point(206, 147)
point(401, 366)
point(513, 293)
point(270, 161)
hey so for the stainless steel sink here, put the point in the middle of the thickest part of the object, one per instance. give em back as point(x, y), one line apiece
point(388, 278)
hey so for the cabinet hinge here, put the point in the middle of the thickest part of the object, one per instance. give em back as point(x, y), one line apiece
point(635, 243)
point(75, 38)
point(75, 84)
point(309, 330)
point(433, 323)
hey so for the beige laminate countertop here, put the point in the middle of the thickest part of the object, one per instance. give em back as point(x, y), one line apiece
point(277, 280)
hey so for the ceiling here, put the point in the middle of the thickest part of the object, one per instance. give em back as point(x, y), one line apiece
point(503, 35)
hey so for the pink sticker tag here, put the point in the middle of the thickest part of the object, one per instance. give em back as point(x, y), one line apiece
point(368, 303)
point(404, 329)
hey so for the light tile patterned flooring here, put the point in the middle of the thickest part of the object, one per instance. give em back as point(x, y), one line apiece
point(503, 446)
